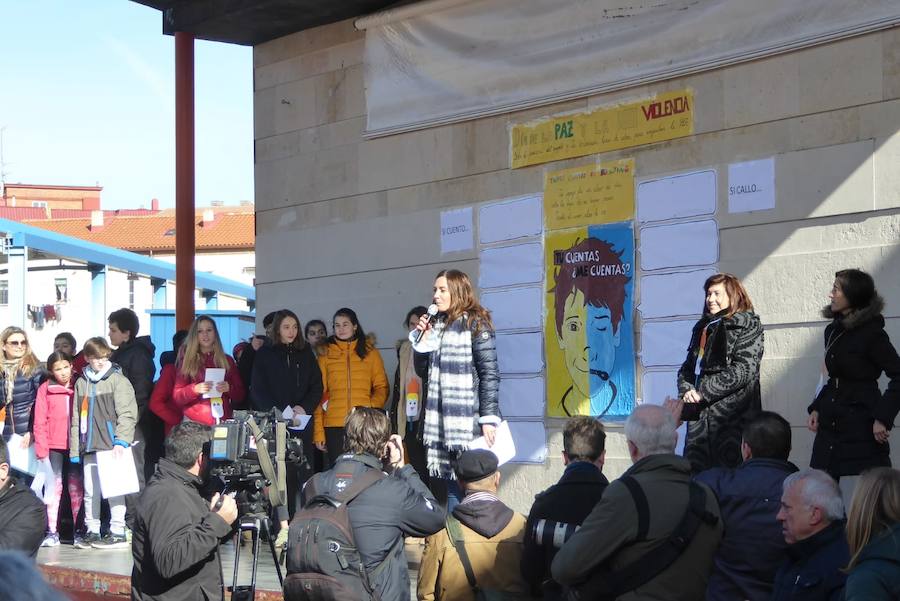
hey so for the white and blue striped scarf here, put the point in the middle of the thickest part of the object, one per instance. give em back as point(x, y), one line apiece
point(451, 404)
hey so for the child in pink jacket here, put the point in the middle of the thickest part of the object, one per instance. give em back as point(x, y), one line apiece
point(52, 418)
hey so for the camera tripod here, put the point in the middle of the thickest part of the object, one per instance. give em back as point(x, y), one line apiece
point(257, 525)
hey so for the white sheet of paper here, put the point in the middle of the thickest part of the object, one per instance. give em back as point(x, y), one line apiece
point(510, 219)
point(511, 265)
point(44, 478)
point(304, 421)
point(288, 412)
point(117, 475)
point(676, 196)
point(673, 294)
point(680, 245)
point(531, 441)
point(21, 459)
point(522, 397)
point(515, 308)
point(504, 447)
point(520, 353)
point(751, 186)
point(457, 231)
point(214, 375)
point(664, 343)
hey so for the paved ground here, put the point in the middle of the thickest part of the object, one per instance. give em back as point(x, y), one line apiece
point(118, 561)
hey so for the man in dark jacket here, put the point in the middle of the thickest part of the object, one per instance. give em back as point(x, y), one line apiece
point(617, 534)
point(811, 517)
point(177, 533)
point(135, 356)
point(383, 514)
point(566, 504)
point(753, 547)
point(23, 518)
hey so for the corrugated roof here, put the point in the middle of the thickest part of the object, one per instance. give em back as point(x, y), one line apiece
point(229, 231)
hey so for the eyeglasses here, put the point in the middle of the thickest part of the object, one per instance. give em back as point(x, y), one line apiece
point(17, 342)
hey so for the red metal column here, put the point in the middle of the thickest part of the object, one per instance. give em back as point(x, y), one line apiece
point(184, 180)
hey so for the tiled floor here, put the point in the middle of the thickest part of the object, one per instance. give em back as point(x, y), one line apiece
point(118, 561)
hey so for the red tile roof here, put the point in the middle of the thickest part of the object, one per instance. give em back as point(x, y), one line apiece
point(235, 230)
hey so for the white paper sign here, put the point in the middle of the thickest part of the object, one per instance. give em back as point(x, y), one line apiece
point(117, 474)
point(44, 479)
point(751, 186)
point(531, 441)
point(520, 353)
point(683, 195)
point(23, 460)
point(214, 375)
point(511, 265)
point(665, 343)
point(515, 308)
point(680, 245)
point(673, 294)
point(457, 232)
point(510, 219)
point(504, 447)
point(522, 397)
point(657, 385)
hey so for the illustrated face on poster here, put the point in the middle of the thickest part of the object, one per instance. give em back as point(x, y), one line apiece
point(589, 337)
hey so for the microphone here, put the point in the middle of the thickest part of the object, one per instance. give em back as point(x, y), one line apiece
point(432, 312)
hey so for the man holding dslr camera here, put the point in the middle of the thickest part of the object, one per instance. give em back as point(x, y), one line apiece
point(177, 532)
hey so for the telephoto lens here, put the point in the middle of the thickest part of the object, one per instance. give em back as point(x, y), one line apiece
point(548, 533)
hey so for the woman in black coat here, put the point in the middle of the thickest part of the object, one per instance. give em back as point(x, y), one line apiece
point(850, 416)
point(719, 380)
point(286, 374)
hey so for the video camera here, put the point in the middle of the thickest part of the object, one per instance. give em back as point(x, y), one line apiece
point(249, 453)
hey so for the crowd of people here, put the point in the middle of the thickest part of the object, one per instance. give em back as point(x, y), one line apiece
point(730, 519)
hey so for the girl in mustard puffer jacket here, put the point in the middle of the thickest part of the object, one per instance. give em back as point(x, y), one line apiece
point(353, 376)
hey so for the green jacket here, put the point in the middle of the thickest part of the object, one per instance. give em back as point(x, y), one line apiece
point(608, 538)
point(876, 574)
point(110, 409)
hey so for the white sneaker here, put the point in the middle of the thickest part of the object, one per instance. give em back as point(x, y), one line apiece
point(51, 540)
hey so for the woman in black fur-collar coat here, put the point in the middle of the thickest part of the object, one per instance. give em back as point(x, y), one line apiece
point(852, 419)
point(719, 380)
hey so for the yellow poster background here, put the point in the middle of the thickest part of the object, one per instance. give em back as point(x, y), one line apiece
point(598, 193)
point(558, 378)
point(666, 116)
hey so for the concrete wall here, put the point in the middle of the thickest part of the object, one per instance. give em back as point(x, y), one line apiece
point(346, 221)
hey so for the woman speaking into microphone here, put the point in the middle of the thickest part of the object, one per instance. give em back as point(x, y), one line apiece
point(456, 357)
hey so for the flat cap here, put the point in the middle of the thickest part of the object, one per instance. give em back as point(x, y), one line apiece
point(475, 465)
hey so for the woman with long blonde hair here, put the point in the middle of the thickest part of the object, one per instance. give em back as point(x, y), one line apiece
point(457, 361)
point(20, 378)
point(203, 350)
point(873, 535)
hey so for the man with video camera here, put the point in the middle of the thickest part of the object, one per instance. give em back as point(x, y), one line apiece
point(384, 501)
point(177, 532)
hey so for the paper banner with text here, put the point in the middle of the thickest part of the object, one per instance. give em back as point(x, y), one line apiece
point(592, 194)
point(664, 117)
point(588, 334)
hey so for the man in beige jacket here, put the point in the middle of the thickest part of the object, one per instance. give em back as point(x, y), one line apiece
point(491, 536)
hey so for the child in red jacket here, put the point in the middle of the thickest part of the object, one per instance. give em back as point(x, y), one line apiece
point(52, 415)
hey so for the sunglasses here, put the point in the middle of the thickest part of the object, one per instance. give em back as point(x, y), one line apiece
point(17, 342)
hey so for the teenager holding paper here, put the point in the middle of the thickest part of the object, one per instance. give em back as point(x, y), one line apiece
point(201, 399)
point(457, 360)
point(104, 418)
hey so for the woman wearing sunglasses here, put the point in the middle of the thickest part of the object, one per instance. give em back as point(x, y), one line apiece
point(20, 379)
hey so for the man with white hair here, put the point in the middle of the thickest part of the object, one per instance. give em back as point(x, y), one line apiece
point(654, 532)
point(811, 517)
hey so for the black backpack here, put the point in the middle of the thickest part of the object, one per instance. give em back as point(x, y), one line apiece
point(323, 562)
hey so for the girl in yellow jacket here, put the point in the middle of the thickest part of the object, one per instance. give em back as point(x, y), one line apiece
point(353, 376)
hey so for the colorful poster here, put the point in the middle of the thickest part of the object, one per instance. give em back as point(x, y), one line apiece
point(664, 117)
point(598, 193)
point(589, 332)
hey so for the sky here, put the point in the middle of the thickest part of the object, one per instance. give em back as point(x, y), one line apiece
point(88, 98)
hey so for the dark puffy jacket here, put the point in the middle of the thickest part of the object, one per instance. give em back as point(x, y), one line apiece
point(24, 394)
point(859, 350)
point(135, 357)
point(381, 516)
point(813, 569)
point(569, 501)
point(876, 575)
point(285, 375)
point(753, 546)
point(728, 384)
point(485, 374)
point(23, 518)
point(176, 539)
